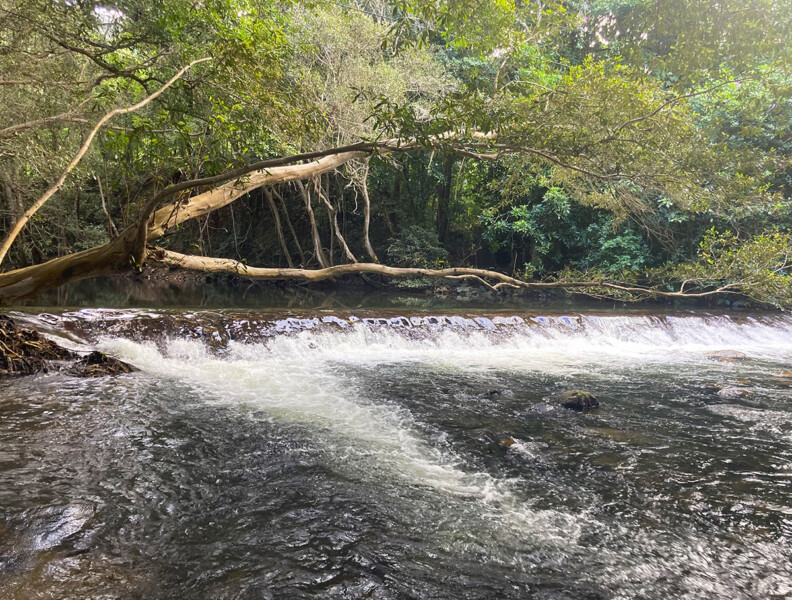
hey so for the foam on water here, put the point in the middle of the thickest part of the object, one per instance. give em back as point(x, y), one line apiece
point(368, 439)
point(511, 340)
point(302, 371)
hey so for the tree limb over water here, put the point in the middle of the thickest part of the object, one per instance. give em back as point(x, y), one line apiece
point(766, 261)
point(499, 281)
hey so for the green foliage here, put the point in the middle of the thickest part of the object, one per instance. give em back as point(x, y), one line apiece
point(758, 268)
point(614, 250)
point(619, 133)
point(417, 247)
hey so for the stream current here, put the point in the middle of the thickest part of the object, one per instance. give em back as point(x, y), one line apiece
point(259, 455)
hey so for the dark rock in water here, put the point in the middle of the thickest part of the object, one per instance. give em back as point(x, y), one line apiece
point(24, 351)
point(97, 364)
point(728, 355)
point(491, 393)
point(579, 400)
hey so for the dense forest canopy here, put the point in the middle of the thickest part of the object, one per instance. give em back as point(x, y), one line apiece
point(628, 148)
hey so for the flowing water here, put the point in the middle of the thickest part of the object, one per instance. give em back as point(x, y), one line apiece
point(257, 455)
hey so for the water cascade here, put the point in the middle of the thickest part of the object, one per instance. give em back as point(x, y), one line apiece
point(346, 456)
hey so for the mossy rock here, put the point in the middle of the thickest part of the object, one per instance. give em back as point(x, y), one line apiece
point(579, 400)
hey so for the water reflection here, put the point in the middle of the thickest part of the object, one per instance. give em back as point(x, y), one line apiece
point(126, 292)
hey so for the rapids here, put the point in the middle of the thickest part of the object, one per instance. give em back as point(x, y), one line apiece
point(317, 455)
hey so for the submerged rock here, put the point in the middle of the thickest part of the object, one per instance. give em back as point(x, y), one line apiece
point(728, 355)
point(97, 364)
point(507, 442)
point(730, 391)
point(579, 400)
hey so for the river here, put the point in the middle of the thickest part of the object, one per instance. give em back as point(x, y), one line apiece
point(399, 453)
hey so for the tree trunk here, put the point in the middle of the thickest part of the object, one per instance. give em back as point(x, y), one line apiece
point(330, 217)
point(289, 223)
point(278, 228)
point(111, 258)
point(112, 232)
point(332, 211)
point(15, 209)
point(225, 265)
point(317, 240)
point(26, 216)
point(367, 214)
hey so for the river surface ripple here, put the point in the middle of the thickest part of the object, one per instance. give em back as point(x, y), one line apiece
point(363, 456)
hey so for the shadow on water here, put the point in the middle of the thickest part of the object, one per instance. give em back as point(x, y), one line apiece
point(346, 294)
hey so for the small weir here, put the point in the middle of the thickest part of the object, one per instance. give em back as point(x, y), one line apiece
point(385, 455)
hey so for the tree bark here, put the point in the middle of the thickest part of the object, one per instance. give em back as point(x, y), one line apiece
point(225, 265)
point(111, 228)
point(111, 258)
point(367, 213)
point(289, 223)
point(333, 212)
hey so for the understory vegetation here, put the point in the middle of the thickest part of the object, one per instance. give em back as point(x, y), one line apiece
point(620, 148)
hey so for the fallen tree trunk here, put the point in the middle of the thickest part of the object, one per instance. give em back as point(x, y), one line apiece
point(128, 250)
point(483, 276)
point(111, 258)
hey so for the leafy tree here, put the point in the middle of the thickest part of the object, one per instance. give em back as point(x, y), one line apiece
point(617, 132)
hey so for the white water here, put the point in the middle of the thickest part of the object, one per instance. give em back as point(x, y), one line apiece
point(292, 384)
point(305, 374)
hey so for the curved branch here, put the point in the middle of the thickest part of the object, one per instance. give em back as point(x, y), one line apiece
point(64, 117)
point(224, 265)
point(665, 105)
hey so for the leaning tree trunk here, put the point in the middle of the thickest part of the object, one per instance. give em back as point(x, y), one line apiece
point(129, 251)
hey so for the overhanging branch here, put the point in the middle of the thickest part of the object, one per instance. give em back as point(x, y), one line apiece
point(224, 265)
